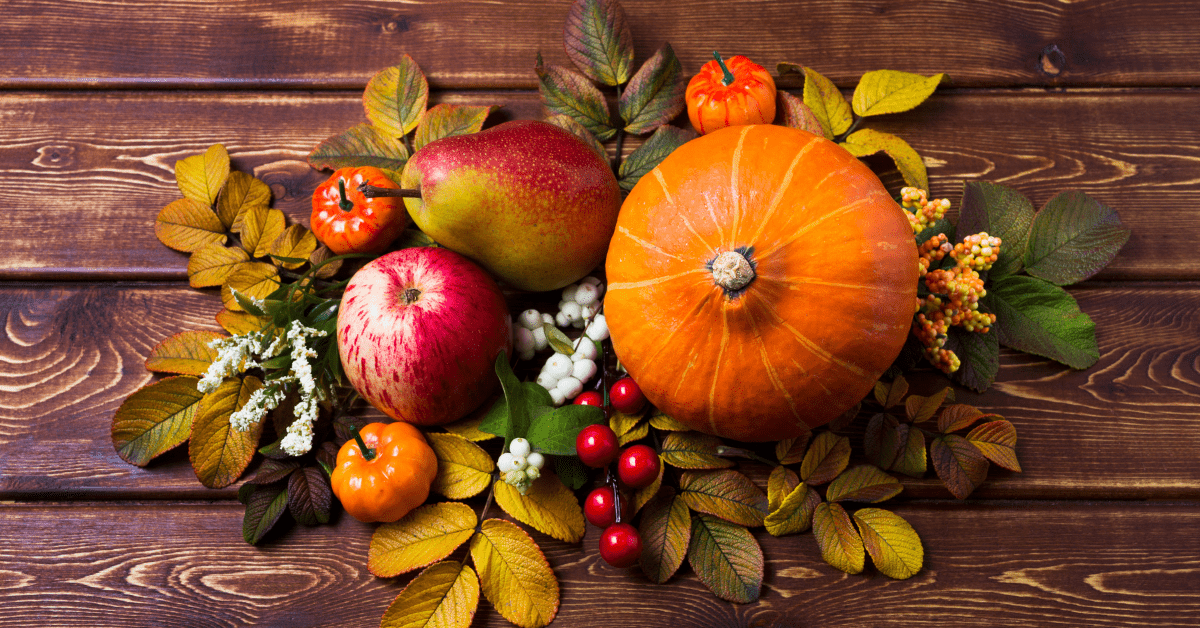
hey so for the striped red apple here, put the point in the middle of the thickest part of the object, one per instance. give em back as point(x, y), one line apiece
point(418, 333)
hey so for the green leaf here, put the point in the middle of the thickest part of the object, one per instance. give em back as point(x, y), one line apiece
point(571, 471)
point(264, 507)
point(155, 419)
point(1038, 317)
point(567, 123)
point(559, 341)
point(1073, 237)
point(274, 470)
point(516, 419)
point(692, 450)
point(826, 458)
point(795, 512)
point(445, 595)
point(893, 544)
point(571, 94)
point(827, 104)
point(726, 494)
point(554, 432)
point(310, 497)
point(360, 145)
point(997, 441)
point(654, 96)
point(666, 531)
point(1002, 212)
point(959, 464)
point(598, 40)
point(889, 91)
point(395, 98)
point(444, 120)
point(979, 354)
point(869, 141)
point(726, 558)
point(840, 544)
point(864, 483)
point(792, 112)
point(644, 158)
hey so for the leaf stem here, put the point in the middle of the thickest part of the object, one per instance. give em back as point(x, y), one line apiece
point(726, 451)
point(841, 138)
point(616, 159)
point(374, 191)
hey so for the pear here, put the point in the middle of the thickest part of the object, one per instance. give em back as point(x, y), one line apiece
point(528, 201)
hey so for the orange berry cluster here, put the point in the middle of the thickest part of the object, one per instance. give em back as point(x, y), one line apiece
point(921, 211)
point(954, 293)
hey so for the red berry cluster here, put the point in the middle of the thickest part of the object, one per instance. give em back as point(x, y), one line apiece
point(637, 467)
point(921, 211)
point(954, 293)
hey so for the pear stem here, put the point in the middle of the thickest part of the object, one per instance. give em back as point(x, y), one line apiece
point(372, 191)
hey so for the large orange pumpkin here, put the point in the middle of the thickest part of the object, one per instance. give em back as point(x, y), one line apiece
point(760, 280)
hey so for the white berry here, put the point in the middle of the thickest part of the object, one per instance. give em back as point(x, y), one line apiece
point(586, 294)
point(562, 320)
point(589, 309)
point(569, 387)
point(584, 370)
point(519, 447)
point(530, 319)
point(585, 350)
point(558, 365)
point(522, 339)
point(547, 317)
point(539, 338)
point(568, 293)
point(547, 381)
point(598, 330)
point(519, 463)
point(505, 463)
point(532, 473)
point(557, 397)
point(535, 460)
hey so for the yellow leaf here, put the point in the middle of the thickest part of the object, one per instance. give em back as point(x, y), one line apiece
point(826, 458)
point(893, 544)
point(395, 98)
point(725, 493)
point(423, 537)
point(791, 450)
point(622, 423)
point(445, 595)
point(239, 323)
point(155, 419)
point(889, 91)
point(692, 450)
point(468, 427)
point(186, 353)
point(840, 544)
point(295, 241)
point(640, 430)
point(242, 191)
point(260, 227)
point(644, 495)
point(200, 177)
point(660, 421)
point(795, 511)
point(464, 468)
point(869, 141)
point(896, 391)
point(252, 279)
point(219, 453)
point(666, 529)
point(212, 265)
point(188, 225)
point(514, 574)
point(781, 482)
point(548, 507)
point(443, 120)
point(826, 103)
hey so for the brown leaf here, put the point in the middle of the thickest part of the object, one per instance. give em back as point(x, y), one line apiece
point(997, 440)
point(514, 574)
point(241, 192)
point(423, 537)
point(655, 94)
point(920, 409)
point(598, 40)
point(464, 469)
point(840, 544)
point(725, 493)
point(959, 464)
point(570, 93)
point(893, 544)
point(795, 512)
point(864, 483)
point(826, 458)
point(911, 461)
point(296, 241)
point(360, 145)
point(896, 392)
point(212, 265)
point(794, 113)
point(251, 279)
point(958, 416)
point(843, 420)
point(239, 323)
point(548, 507)
point(444, 120)
point(329, 269)
point(188, 225)
point(781, 482)
point(791, 450)
point(155, 419)
point(692, 450)
point(200, 177)
point(310, 496)
point(884, 440)
point(666, 530)
point(186, 353)
point(726, 558)
point(395, 98)
point(219, 453)
point(445, 595)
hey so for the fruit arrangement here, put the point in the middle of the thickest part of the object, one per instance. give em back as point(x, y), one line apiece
point(542, 322)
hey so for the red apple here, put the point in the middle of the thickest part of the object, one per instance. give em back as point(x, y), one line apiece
point(418, 332)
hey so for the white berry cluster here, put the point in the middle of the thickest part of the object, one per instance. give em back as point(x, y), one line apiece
point(520, 465)
point(564, 375)
point(579, 303)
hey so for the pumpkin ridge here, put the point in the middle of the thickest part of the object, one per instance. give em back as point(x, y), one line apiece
point(647, 244)
point(662, 181)
point(813, 224)
point(794, 283)
point(734, 175)
point(646, 283)
point(712, 393)
point(717, 223)
point(820, 352)
point(687, 223)
point(771, 374)
point(783, 187)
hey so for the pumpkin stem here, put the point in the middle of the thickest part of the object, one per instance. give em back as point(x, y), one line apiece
point(367, 453)
point(345, 204)
point(729, 78)
point(732, 271)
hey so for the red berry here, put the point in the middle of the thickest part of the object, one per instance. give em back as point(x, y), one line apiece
point(626, 396)
point(620, 545)
point(638, 466)
point(599, 508)
point(590, 398)
point(596, 445)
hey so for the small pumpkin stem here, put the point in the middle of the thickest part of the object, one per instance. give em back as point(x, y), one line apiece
point(345, 204)
point(367, 452)
point(410, 296)
point(732, 271)
point(729, 78)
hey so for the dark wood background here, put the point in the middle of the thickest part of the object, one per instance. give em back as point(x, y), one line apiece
point(99, 99)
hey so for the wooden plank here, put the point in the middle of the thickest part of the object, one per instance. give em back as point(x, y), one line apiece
point(71, 354)
point(1020, 564)
point(93, 170)
point(271, 44)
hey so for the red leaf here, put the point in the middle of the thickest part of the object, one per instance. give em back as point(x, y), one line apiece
point(958, 463)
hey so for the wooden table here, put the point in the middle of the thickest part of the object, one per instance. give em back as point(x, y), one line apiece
point(99, 100)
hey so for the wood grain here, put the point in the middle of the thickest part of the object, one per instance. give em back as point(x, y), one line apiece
point(178, 564)
point(70, 355)
point(269, 44)
point(90, 193)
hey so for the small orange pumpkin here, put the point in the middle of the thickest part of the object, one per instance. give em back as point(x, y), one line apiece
point(761, 279)
point(730, 94)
